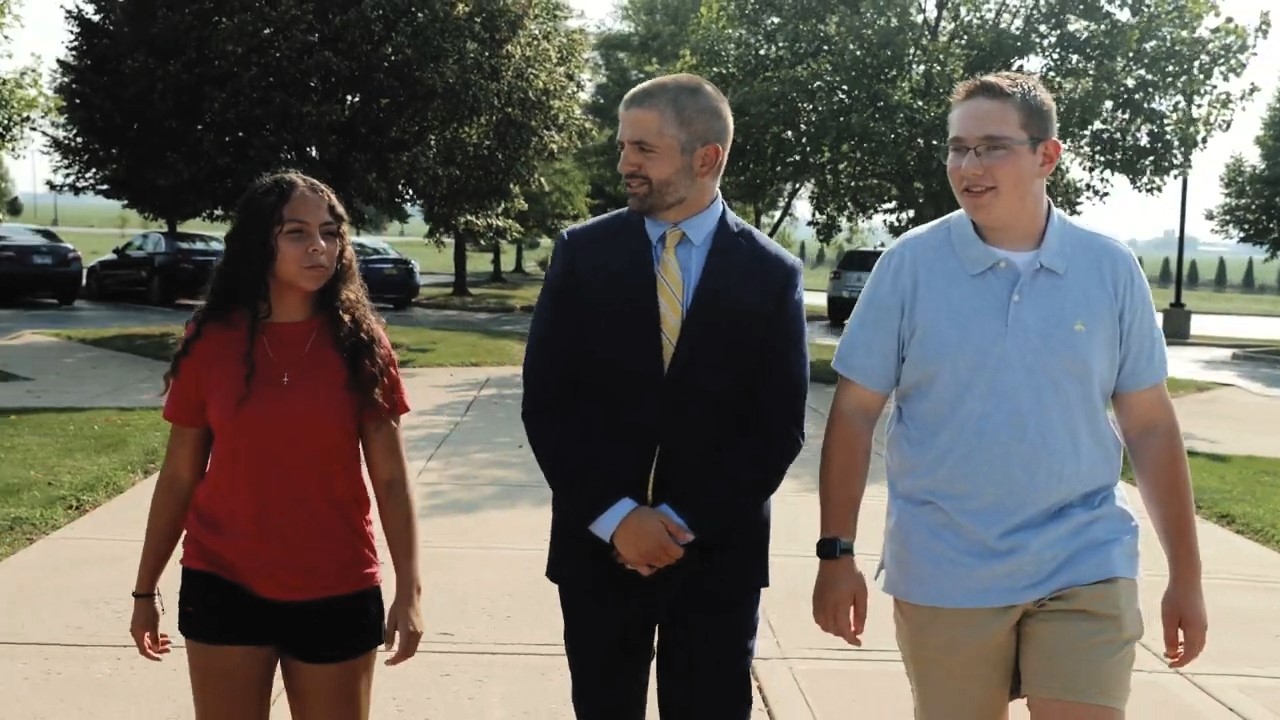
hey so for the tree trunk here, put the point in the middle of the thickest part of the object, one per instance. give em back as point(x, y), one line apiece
point(518, 266)
point(460, 267)
point(786, 209)
point(172, 224)
point(497, 262)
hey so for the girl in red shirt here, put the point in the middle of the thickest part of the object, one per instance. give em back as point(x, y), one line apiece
point(285, 375)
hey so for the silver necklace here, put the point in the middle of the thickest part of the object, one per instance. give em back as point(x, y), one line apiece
point(284, 380)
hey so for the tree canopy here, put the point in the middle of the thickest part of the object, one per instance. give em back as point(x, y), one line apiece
point(173, 106)
point(22, 98)
point(845, 103)
point(1250, 207)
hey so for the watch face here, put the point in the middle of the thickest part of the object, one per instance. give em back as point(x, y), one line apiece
point(832, 548)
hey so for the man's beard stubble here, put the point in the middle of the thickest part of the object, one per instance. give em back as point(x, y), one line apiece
point(662, 196)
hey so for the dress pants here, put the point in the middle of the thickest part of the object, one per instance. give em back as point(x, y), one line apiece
point(706, 633)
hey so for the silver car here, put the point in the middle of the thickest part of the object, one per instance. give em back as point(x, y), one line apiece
point(846, 282)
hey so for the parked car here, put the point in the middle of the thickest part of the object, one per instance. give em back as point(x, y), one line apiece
point(390, 276)
point(162, 266)
point(846, 282)
point(35, 262)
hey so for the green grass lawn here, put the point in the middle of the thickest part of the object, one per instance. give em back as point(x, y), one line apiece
point(1238, 492)
point(433, 259)
point(1231, 303)
point(56, 465)
point(518, 294)
point(515, 295)
point(415, 347)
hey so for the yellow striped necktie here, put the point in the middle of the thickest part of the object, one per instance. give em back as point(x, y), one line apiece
point(670, 294)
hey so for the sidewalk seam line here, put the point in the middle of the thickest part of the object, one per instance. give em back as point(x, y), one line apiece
point(791, 672)
point(1192, 681)
point(463, 416)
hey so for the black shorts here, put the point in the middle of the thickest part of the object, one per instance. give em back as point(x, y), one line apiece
point(215, 611)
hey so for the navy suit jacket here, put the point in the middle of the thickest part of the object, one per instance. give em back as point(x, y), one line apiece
point(728, 414)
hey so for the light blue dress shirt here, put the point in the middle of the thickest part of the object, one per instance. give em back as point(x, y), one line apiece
point(691, 254)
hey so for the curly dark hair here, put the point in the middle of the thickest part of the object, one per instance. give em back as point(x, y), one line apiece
point(240, 286)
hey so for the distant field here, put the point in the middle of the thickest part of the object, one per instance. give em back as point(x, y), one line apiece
point(1232, 302)
point(1265, 274)
point(98, 215)
point(73, 213)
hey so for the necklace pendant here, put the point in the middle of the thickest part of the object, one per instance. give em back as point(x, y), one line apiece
point(286, 378)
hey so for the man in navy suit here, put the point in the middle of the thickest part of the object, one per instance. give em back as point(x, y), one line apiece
point(665, 382)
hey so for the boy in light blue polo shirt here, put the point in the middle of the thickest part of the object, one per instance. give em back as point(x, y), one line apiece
point(1003, 331)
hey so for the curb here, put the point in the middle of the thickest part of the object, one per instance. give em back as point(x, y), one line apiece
point(1262, 355)
point(486, 309)
point(528, 310)
point(1224, 344)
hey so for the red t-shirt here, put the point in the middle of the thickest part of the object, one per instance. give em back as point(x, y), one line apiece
point(283, 508)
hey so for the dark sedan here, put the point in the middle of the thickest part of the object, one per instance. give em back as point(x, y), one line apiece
point(391, 277)
point(162, 266)
point(36, 262)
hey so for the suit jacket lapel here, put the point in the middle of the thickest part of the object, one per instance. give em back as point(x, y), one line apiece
point(637, 253)
point(718, 278)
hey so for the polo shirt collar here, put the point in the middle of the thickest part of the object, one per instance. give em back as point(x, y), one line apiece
point(977, 256)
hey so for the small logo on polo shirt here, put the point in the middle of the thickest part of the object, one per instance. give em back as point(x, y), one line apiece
point(1079, 326)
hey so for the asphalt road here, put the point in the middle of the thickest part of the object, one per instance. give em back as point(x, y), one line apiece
point(46, 315)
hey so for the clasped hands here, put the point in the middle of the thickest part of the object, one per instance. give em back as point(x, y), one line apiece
point(648, 540)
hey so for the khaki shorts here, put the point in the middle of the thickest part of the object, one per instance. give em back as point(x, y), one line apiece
point(1077, 645)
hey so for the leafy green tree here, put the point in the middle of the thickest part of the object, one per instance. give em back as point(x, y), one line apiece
point(14, 207)
point(555, 198)
point(1250, 207)
point(7, 187)
point(1248, 282)
point(518, 107)
point(816, 96)
point(1193, 274)
point(849, 100)
point(23, 102)
point(394, 103)
point(649, 38)
point(1166, 273)
point(1220, 276)
point(137, 121)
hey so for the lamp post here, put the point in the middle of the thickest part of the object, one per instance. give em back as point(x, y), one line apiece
point(1177, 318)
point(1182, 244)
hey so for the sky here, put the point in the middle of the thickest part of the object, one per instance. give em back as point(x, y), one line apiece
point(1125, 214)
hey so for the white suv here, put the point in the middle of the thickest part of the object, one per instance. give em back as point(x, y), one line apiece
point(846, 282)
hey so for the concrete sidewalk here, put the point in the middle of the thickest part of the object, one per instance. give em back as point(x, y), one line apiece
point(60, 373)
point(493, 646)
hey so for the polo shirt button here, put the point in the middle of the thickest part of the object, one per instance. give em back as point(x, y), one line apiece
point(1016, 298)
point(1003, 263)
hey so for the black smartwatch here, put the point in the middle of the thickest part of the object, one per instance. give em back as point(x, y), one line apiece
point(831, 548)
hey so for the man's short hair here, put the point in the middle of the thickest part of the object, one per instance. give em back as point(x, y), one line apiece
point(696, 108)
point(1034, 103)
